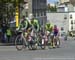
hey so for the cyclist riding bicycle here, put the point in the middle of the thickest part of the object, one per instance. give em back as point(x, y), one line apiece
point(34, 22)
point(49, 29)
point(34, 29)
point(56, 34)
point(24, 26)
point(56, 30)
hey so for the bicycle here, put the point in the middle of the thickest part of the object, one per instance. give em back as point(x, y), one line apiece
point(43, 40)
point(50, 40)
point(20, 41)
point(56, 41)
point(32, 41)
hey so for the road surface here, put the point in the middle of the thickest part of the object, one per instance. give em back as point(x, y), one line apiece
point(65, 52)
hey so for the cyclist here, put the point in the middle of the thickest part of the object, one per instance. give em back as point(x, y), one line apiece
point(24, 25)
point(56, 31)
point(49, 29)
point(35, 26)
point(34, 22)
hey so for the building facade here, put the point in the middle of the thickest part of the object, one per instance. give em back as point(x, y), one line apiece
point(60, 19)
point(66, 6)
point(72, 21)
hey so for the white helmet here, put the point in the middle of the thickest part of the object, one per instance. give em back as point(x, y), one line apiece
point(31, 16)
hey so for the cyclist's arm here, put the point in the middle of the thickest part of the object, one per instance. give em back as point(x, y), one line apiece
point(46, 27)
point(19, 27)
point(26, 24)
point(38, 27)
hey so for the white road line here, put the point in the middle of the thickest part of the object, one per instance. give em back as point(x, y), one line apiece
point(53, 58)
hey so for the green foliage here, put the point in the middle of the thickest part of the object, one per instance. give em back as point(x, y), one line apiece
point(51, 8)
point(11, 1)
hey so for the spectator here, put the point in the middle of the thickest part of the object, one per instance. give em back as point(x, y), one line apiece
point(8, 34)
point(4, 28)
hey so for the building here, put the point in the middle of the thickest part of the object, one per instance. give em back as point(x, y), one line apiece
point(37, 8)
point(60, 19)
point(65, 16)
point(63, 1)
point(72, 21)
point(66, 6)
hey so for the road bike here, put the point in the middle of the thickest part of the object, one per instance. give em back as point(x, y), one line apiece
point(20, 40)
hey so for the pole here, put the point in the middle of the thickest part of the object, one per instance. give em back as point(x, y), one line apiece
point(17, 14)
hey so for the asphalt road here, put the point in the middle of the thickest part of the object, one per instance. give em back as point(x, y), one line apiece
point(65, 52)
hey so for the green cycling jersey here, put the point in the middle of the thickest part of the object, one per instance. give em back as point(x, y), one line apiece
point(49, 27)
point(35, 23)
point(23, 24)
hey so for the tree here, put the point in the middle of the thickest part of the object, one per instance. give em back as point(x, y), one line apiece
point(8, 8)
point(51, 8)
point(48, 7)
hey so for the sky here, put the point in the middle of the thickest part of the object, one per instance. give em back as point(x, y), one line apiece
point(52, 1)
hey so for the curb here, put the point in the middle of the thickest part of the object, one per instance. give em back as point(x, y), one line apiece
point(7, 44)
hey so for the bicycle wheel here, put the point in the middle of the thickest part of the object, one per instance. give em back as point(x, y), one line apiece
point(58, 43)
point(43, 44)
point(32, 45)
point(19, 42)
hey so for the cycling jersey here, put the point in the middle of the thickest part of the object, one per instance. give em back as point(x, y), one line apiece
point(49, 27)
point(35, 23)
point(24, 24)
point(56, 30)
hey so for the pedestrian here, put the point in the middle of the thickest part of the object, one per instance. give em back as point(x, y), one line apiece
point(0, 34)
point(4, 28)
point(8, 34)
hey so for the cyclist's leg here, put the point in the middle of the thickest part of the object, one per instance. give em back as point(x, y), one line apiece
point(24, 37)
point(51, 41)
point(54, 40)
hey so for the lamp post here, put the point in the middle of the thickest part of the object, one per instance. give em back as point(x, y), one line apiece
point(17, 13)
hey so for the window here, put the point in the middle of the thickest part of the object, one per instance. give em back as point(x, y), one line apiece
point(34, 14)
point(38, 14)
point(41, 13)
point(71, 21)
point(62, 28)
point(65, 17)
point(71, 27)
point(44, 13)
point(70, 16)
point(26, 14)
point(74, 21)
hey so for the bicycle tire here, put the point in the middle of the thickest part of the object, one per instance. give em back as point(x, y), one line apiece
point(43, 45)
point(58, 43)
point(21, 41)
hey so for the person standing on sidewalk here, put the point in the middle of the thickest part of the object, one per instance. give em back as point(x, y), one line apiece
point(4, 28)
point(8, 34)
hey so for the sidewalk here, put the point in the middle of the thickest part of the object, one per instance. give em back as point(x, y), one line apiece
point(7, 44)
point(7, 48)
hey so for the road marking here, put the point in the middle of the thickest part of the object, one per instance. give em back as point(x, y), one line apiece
point(54, 58)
